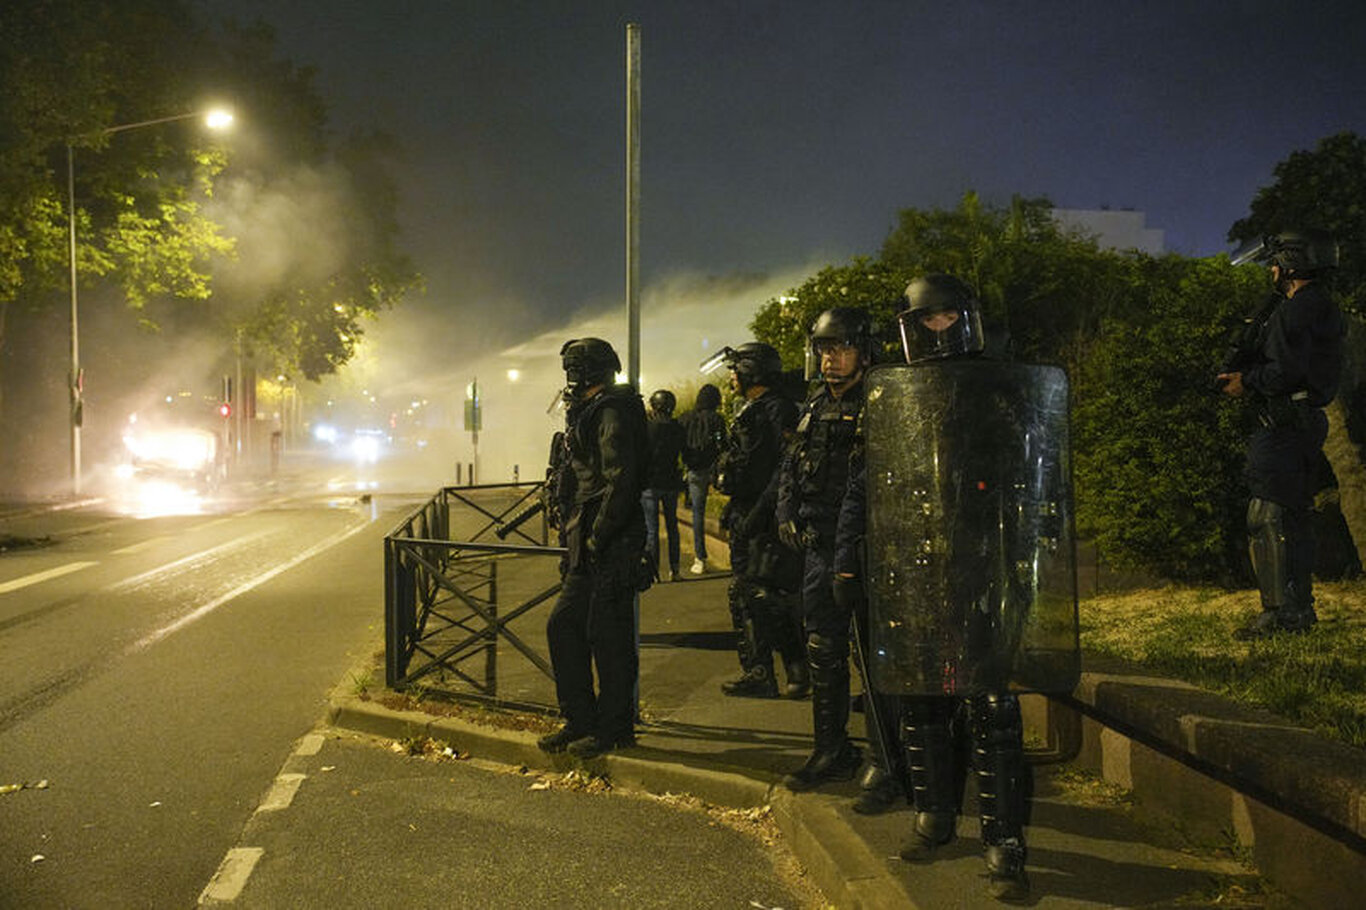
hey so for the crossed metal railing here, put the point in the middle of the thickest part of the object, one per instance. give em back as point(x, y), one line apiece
point(441, 596)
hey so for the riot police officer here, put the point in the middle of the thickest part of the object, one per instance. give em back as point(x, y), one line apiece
point(970, 539)
point(760, 606)
point(809, 495)
point(1290, 373)
point(592, 625)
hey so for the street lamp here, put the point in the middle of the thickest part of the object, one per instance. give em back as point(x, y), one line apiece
point(215, 119)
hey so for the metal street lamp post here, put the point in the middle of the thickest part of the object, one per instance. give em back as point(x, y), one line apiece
point(214, 119)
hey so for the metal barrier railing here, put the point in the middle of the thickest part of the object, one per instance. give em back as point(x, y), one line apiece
point(441, 597)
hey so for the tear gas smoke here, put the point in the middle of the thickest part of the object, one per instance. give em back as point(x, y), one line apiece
point(684, 318)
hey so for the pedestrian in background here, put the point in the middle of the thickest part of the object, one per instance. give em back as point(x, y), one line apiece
point(704, 433)
point(663, 479)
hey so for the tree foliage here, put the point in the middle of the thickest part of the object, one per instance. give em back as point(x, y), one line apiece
point(1321, 188)
point(155, 205)
point(1156, 450)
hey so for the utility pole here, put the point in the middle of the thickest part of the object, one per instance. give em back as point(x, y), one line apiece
point(633, 203)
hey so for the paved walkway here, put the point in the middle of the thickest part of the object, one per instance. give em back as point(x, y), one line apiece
point(1085, 849)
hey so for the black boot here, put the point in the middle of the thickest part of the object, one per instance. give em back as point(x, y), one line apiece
point(884, 780)
point(798, 677)
point(927, 738)
point(929, 832)
point(880, 791)
point(835, 758)
point(1006, 879)
point(560, 739)
point(757, 683)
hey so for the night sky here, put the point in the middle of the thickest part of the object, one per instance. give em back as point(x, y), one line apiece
point(778, 137)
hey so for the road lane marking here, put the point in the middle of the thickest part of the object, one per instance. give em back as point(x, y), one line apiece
point(311, 744)
point(227, 883)
point(281, 793)
point(171, 566)
point(38, 577)
point(204, 610)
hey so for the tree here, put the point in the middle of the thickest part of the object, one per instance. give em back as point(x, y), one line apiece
point(863, 283)
point(160, 212)
point(1324, 188)
point(1157, 450)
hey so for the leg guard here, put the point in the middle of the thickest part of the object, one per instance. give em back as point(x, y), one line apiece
point(1002, 777)
point(1269, 552)
point(737, 598)
point(834, 758)
point(927, 737)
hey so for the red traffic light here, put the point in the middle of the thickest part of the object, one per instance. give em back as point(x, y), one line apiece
point(225, 410)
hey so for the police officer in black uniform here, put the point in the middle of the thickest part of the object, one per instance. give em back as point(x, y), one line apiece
point(593, 623)
point(810, 492)
point(763, 614)
point(943, 321)
point(1292, 373)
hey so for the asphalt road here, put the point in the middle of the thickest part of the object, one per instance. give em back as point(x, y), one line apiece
point(156, 672)
point(462, 834)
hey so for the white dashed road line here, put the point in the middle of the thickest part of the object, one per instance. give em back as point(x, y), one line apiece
point(37, 577)
point(227, 883)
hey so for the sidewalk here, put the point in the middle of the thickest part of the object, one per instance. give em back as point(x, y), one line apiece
point(1085, 848)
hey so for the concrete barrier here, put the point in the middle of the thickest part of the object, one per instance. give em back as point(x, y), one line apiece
point(1294, 800)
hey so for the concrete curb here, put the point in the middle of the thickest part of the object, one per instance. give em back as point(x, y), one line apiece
point(1294, 800)
point(838, 860)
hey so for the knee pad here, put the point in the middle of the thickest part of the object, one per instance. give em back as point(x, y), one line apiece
point(827, 653)
point(1268, 549)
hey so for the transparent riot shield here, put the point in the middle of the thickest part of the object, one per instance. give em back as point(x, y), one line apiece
point(970, 547)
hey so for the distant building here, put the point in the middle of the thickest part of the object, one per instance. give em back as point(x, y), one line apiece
point(1116, 229)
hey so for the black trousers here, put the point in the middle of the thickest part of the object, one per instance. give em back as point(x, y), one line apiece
point(592, 626)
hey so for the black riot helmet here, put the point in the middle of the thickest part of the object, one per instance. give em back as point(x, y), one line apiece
point(588, 362)
point(754, 363)
point(841, 325)
point(1299, 253)
point(663, 402)
point(943, 319)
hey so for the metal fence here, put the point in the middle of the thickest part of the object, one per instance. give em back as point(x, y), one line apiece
point(444, 617)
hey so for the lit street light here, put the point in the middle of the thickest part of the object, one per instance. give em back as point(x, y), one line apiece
point(216, 119)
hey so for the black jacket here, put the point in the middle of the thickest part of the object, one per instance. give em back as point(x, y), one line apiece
point(1300, 349)
point(608, 451)
point(755, 446)
point(666, 443)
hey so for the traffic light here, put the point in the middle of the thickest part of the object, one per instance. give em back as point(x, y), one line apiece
point(225, 410)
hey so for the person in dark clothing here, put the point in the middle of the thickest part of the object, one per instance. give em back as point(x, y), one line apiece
point(662, 481)
point(810, 491)
point(942, 324)
point(762, 612)
point(1292, 373)
point(705, 433)
point(592, 625)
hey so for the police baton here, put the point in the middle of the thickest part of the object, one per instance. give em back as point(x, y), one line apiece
point(870, 715)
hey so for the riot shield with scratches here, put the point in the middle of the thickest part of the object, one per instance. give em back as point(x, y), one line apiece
point(970, 544)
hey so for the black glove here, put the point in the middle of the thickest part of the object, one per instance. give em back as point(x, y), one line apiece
point(848, 592)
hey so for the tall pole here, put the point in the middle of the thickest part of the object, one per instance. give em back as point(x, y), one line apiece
point(215, 119)
point(75, 378)
point(633, 202)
